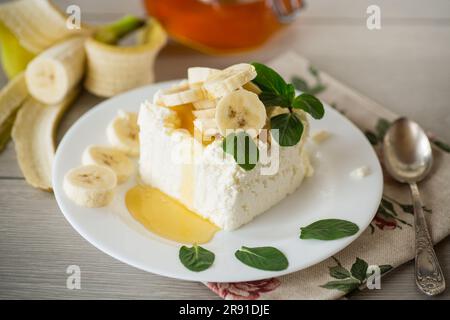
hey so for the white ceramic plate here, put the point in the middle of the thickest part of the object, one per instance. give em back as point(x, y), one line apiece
point(330, 193)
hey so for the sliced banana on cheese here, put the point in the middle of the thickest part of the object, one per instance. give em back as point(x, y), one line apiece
point(112, 158)
point(123, 133)
point(207, 127)
point(90, 185)
point(198, 75)
point(205, 104)
point(180, 94)
point(204, 114)
point(240, 109)
point(223, 82)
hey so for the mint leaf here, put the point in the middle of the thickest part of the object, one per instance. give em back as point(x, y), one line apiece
point(243, 149)
point(290, 129)
point(196, 258)
point(346, 285)
point(309, 104)
point(272, 99)
point(263, 258)
point(339, 272)
point(300, 84)
point(359, 269)
point(329, 229)
point(269, 80)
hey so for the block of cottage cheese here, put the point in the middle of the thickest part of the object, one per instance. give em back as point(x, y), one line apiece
point(212, 185)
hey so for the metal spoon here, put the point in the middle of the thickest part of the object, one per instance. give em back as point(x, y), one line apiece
point(408, 158)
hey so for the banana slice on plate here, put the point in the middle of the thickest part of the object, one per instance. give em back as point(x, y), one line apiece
point(180, 94)
point(198, 75)
point(112, 158)
point(123, 133)
point(204, 114)
point(90, 185)
point(56, 71)
point(223, 82)
point(240, 109)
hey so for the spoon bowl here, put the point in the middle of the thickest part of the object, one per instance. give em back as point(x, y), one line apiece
point(407, 152)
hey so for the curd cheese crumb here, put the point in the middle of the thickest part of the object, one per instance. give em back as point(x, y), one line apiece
point(321, 136)
point(360, 172)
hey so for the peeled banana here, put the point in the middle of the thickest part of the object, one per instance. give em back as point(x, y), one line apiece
point(11, 98)
point(33, 136)
point(56, 71)
point(115, 69)
point(240, 109)
point(112, 158)
point(37, 24)
point(90, 185)
point(14, 57)
point(123, 133)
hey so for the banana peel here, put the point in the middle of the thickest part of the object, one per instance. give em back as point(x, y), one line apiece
point(11, 98)
point(114, 69)
point(33, 135)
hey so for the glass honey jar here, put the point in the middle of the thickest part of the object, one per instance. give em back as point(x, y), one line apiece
point(223, 26)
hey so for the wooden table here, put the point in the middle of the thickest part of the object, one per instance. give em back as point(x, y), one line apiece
point(405, 66)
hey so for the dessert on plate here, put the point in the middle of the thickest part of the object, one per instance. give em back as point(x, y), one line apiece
point(184, 133)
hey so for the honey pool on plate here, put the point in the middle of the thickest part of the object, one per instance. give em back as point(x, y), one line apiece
point(166, 217)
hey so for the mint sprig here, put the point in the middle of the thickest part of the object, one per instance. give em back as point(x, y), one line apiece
point(276, 92)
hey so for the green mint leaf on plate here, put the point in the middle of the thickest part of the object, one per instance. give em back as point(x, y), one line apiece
point(359, 269)
point(339, 272)
point(309, 104)
point(263, 258)
point(290, 129)
point(243, 149)
point(346, 285)
point(196, 258)
point(329, 229)
point(269, 80)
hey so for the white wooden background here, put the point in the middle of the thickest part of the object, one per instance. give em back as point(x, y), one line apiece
point(405, 66)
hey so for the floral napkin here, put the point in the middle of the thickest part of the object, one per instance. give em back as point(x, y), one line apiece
point(389, 240)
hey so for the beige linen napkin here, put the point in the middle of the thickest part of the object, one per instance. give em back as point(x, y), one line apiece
point(389, 241)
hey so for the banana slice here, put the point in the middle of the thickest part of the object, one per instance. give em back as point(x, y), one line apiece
point(198, 75)
point(56, 71)
point(90, 185)
point(123, 133)
point(181, 94)
point(240, 109)
point(204, 114)
point(112, 158)
point(207, 127)
point(221, 83)
point(205, 104)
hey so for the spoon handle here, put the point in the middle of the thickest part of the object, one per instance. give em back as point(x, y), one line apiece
point(429, 277)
